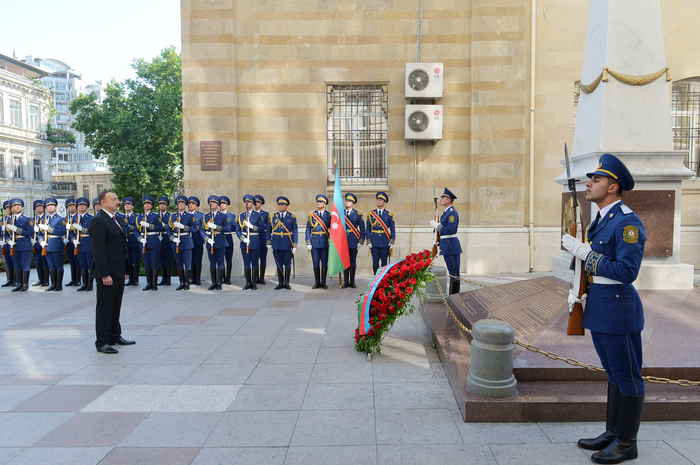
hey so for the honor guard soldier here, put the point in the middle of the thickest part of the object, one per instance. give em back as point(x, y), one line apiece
point(216, 224)
point(131, 223)
point(7, 258)
point(450, 248)
point(71, 216)
point(381, 232)
point(355, 230)
point(248, 229)
point(282, 237)
point(42, 267)
point(612, 255)
point(166, 250)
point(52, 232)
point(259, 202)
point(181, 227)
point(96, 204)
point(228, 252)
point(20, 242)
point(197, 241)
point(148, 233)
point(81, 243)
point(317, 235)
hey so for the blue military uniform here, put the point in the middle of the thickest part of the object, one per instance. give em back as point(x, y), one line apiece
point(614, 312)
point(355, 231)
point(450, 248)
point(263, 234)
point(7, 258)
point(70, 247)
point(131, 226)
point(317, 236)
point(228, 252)
point(216, 225)
point(166, 250)
point(42, 266)
point(81, 242)
point(381, 233)
point(197, 242)
point(282, 236)
point(54, 230)
point(181, 238)
point(251, 249)
point(150, 237)
point(21, 240)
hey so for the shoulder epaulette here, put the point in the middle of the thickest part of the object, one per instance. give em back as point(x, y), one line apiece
point(626, 210)
point(390, 213)
point(294, 216)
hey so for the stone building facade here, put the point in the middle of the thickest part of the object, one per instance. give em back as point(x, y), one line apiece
point(260, 77)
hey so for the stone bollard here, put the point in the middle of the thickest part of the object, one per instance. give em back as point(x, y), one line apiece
point(491, 373)
point(431, 289)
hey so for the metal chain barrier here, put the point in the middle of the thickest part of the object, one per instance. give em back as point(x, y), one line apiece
point(552, 355)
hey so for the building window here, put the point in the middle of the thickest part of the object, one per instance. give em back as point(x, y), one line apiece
point(62, 107)
point(357, 132)
point(60, 86)
point(37, 170)
point(86, 191)
point(100, 188)
point(17, 162)
point(15, 113)
point(34, 118)
point(2, 165)
point(685, 115)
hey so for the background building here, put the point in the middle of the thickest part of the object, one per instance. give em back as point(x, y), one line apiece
point(291, 91)
point(25, 154)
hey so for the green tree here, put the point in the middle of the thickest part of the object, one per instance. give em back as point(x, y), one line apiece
point(138, 127)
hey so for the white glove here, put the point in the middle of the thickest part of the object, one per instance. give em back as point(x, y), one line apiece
point(576, 247)
point(210, 241)
point(369, 245)
point(77, 227)
point(179, 225)
point(42, 243)
point(246, 240)
point(573, 299)
point(391, 246)
point(249, 224)
point(36, 228)
point(434, 224)
point(294, 250)
point(309, 247)
point(143, 240)
point(213, 226)
point(145, 224)
point(44, 227)
point(12, 227)
point(176, 240)
point(269, 246)
point(65, 240)
point(11, 242)
point(33, 242)
point(75, 242)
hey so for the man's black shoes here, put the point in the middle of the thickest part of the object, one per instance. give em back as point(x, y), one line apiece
point(107, 349)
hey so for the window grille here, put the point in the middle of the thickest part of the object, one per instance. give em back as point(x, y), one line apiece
point(358, 133)
point(685, 115)
point(37, 170)
point(2, 165)
point(17, 162)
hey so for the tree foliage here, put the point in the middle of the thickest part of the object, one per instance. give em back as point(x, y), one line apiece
point(138, 127)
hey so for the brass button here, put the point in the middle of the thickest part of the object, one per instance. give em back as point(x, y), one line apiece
point(591, 243)
point(617, 296)
point(601, 242)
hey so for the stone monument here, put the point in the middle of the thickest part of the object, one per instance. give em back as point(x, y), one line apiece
point(624, 109)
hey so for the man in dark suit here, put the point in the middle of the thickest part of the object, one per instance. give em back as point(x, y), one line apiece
point(111, 253)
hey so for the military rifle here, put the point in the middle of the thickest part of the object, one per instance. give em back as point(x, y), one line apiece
point(575, 326)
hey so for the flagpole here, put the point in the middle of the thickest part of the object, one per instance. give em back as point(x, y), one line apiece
point(335, 170)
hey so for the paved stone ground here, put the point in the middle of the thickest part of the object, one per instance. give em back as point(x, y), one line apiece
point(266, 377)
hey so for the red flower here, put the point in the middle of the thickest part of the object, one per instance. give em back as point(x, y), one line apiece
point(428, 261)
point(357, 338)
point(399, 304)
point(392, 309)
point(378, 325)
point(409, 290)
point(370, 332)
point(382, 317)
point(412, 280)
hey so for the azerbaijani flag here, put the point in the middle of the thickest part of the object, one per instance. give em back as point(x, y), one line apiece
point(338, 253)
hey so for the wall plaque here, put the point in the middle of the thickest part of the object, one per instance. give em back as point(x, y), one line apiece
point(210, 155)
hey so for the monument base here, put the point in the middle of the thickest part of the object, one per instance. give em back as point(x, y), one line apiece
point(661, 276)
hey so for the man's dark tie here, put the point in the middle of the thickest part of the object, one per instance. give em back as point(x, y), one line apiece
point(595, 223)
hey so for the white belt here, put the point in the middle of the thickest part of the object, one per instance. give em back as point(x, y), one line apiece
point(152, 233)
point(228, 233)
point(55, 237)
point(84, 235)
point(602, 280)
point(253, 234)
point(183, 234)
point(448, 237)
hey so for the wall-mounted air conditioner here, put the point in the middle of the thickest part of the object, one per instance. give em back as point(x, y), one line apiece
point(424, 80)
point(423, 122)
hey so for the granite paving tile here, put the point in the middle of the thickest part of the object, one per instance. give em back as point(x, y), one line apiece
point(12, 396)
point(243, 311)
point(342, 373)
point(131, 398)
point(101, 429)
point(62, 456)
point(182, 356)
point(240, 456)
point(334, 428)
point(688, 448)
point(254, 429)
point(162, 429)
point(291, 355)
point(273, 373)
point(22, 429)
point(149, 341)
point(417, 426)
point(62, 399)
point(338, 396)
point(101, 374)
point(337, 455)
point(220, 374)
point(340, 355)
point(403, 373)
point(504, 433)
point(270, 397)
point(160, 374)
point(277, 311)
point(31, 379)
point(48, 368)
point(228, 353)
point(533, 454)
point(412, 395)
point(129, 355)
point(566, 432)
point(297, 340)
point(444, 454)
point(660, 430)
point(654, 453)
point(187, 320)
point(215, 330)
point(192, 398)
point(150, 456)
point(9, 453)
point(208, 341)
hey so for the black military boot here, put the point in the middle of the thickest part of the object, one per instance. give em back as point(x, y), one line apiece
point(374, 270)
point(72, 277)
point(187, 279)
point(46, 277)
point(78, 280)
point(163, 275)
point(604, 440)
point(280, 278)
point(181, 275)
point(324, 272)
point(90, 279)
point(169, 281)
point(154, 279)
point(83, 278)
point(346, 278)
point(135, 272)
point(52, 278)
point(317, 278)
point(10, 272)
point(261, 276)
point(454, 287)
point(246, 272)
point(198, 278)
point(254, 279)
point(39, 276)
point(18, 280)
point(627, 421)
point(212, 272)
point(220, 280)
point(227, 280)
point(193, 276)
point(59, 281)
point(25, 281)
point(352, 277)
point(149, 281)
point(287, 274)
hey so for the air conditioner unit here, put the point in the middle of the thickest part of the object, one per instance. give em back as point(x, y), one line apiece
point(424, 80)
point(423, 122)
point(43, 136)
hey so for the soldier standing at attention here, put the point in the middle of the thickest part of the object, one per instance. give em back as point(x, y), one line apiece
point(7, 258)
point(81, 242)
point(259, 202)
point(197, 242)
point(42, 266)
point(381, 232)
point(216, 224)
point(21, 232)
point(317, 235)
point(96, 204)
point(148, 233)
point(450, 248)
point(180, 229)
point(166, 250)
point(72, 214)
point(282, 237)
point(228, 252)
point(356, 237)
point(248, 229)
point(52, 231)
point(131, 227)
point(612, 256)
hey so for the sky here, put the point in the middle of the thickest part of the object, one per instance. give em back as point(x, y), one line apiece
point(99, 39)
